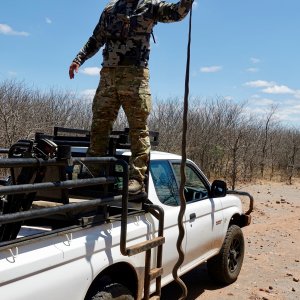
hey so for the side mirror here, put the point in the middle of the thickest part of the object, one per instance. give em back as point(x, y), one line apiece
point(218, 188)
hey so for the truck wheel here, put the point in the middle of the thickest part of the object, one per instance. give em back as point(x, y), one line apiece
point(113, 291)
point(226, 266)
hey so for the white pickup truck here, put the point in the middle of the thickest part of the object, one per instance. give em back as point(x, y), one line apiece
point(83, 245)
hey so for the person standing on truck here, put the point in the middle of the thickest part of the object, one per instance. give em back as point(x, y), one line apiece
point(124, 29)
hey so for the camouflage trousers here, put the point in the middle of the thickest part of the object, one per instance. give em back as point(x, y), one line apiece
point(126, 87)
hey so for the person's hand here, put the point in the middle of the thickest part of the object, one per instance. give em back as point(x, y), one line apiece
point(73, 67)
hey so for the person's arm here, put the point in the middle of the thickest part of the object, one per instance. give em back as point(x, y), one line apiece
point(94, 43)
point(172, 12)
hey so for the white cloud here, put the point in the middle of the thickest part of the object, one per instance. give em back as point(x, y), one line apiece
point(289, 114)
point(48, 20)
point(254, 110)
point(271, 87)
point(88, 94)
point(228, 98)
point(287, 110)
point(93, 71)
point(260, 83)
point(7, 30)
point(211, 69)
point(255, 60)
point(252, 70)
point(278, 89)
point(297, 94)
point(195, 4)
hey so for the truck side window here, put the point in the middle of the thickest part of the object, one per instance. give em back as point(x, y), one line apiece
point(164, 182)
point(195, 188)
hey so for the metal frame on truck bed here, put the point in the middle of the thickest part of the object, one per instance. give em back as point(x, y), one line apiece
point(46, 187)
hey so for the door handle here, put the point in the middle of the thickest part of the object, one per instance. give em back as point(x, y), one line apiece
point(192, 216)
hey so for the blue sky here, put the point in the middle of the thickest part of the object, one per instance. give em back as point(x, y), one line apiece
point(241, 50)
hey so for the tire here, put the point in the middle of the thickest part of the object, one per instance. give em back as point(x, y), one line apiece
point(113, 291)
point(225, 267)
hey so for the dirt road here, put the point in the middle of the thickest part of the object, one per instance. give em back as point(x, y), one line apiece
point(271, 268)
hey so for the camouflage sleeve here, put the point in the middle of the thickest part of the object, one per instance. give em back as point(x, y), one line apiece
point(94, 43)
point(170, 12)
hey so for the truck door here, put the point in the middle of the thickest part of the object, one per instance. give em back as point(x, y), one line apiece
point(203, 216)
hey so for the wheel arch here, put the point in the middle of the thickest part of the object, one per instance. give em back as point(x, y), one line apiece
point(240, 220)
point(115, 273)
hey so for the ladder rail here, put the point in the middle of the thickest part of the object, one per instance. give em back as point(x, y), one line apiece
point(158, 212)
point(147, 246)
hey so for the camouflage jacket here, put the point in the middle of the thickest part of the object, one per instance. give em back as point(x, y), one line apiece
point(125, 28)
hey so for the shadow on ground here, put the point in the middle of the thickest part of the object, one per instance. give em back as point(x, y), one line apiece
point(197, 282)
